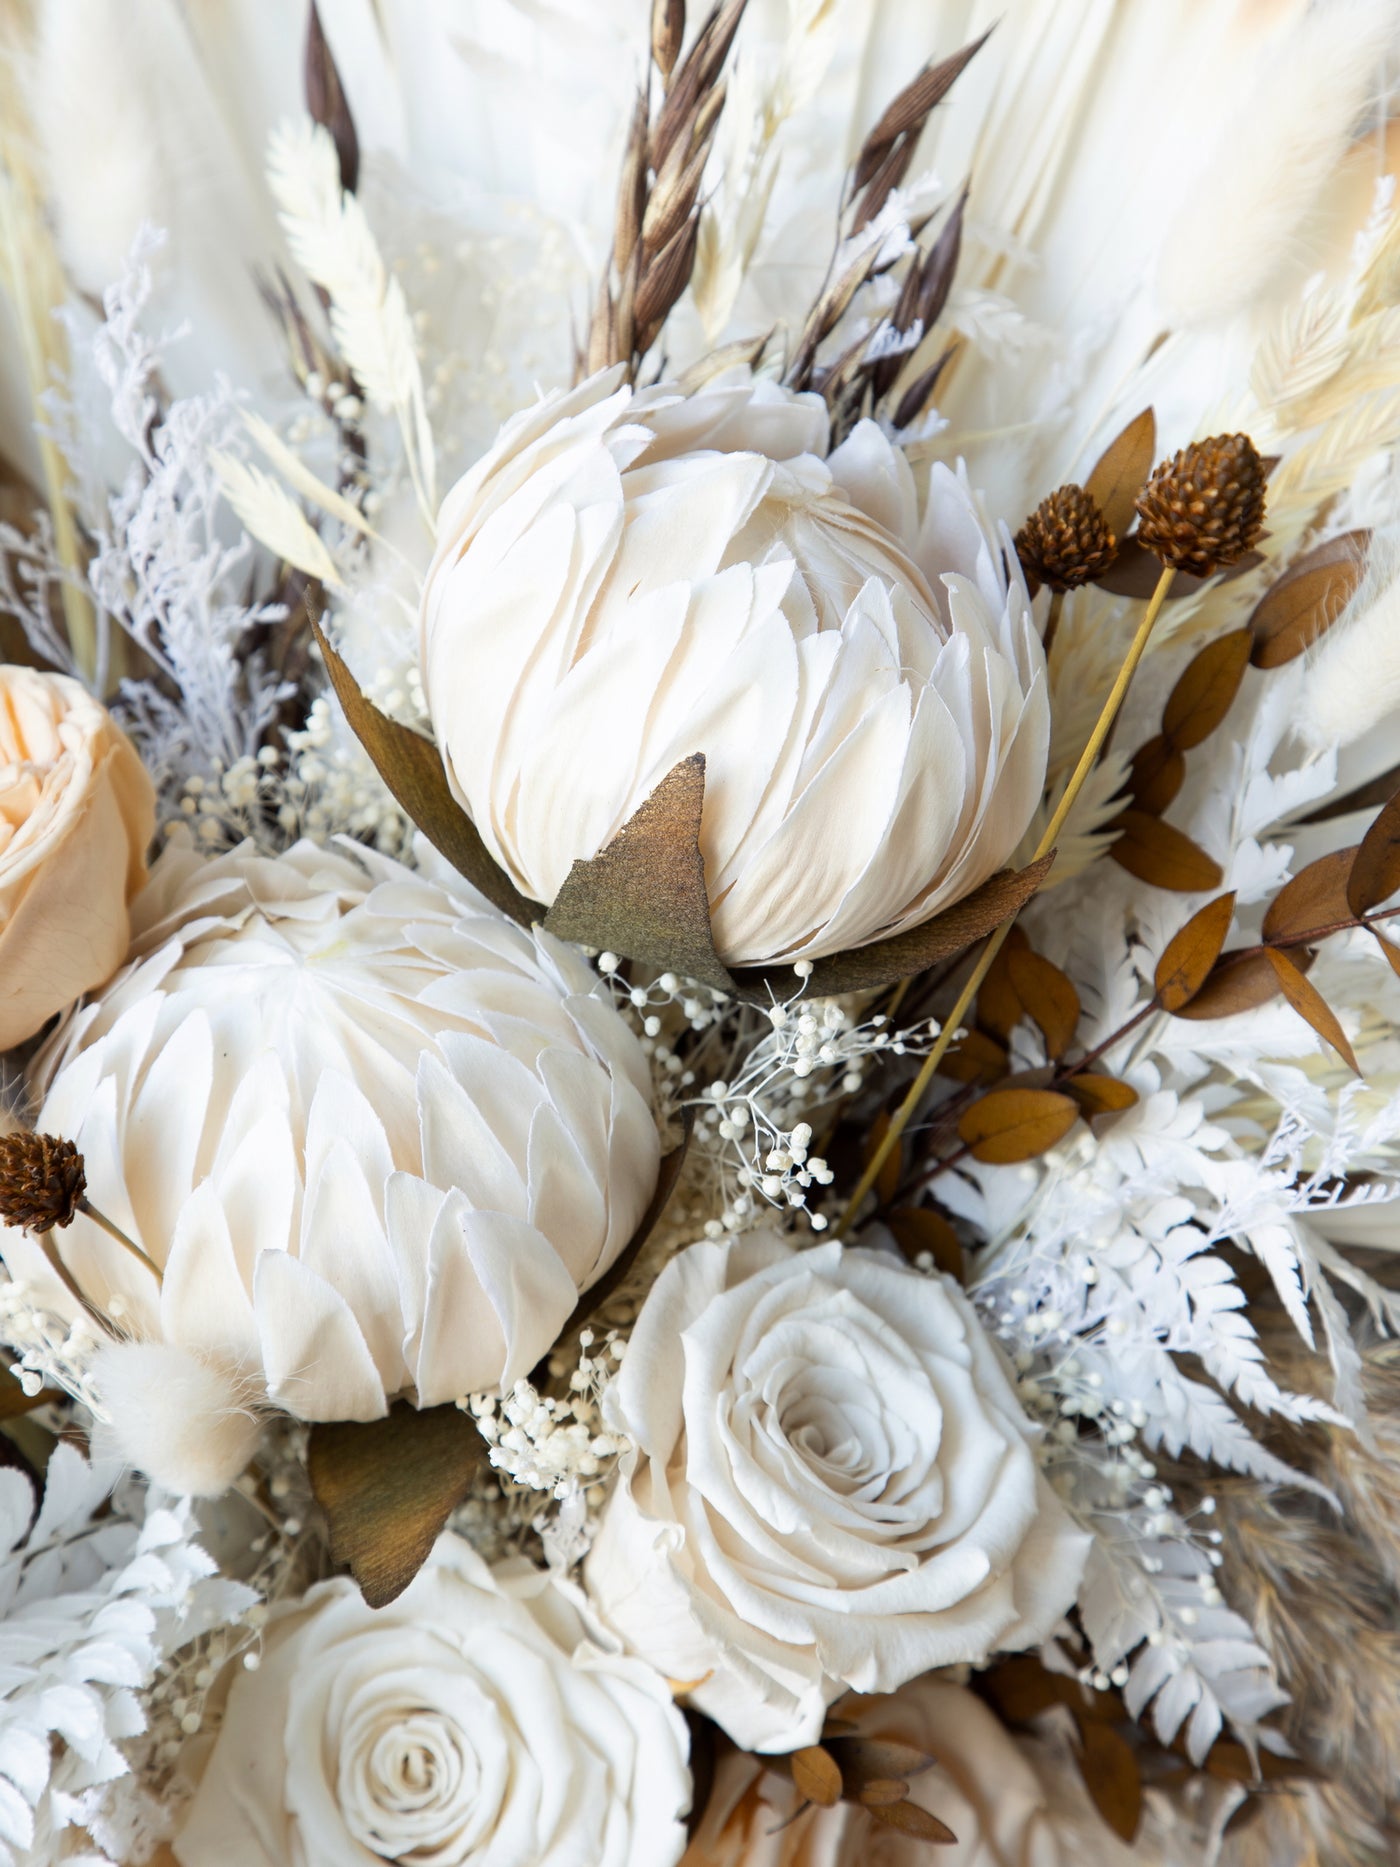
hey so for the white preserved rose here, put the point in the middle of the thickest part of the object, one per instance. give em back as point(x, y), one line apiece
point(376, 1137)
point(630, 577)
point(833, 1486)
point(1010, 1802)
point(472, 1723)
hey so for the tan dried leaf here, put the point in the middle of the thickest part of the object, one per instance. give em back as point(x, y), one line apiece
point(1391, 951)
point(1191, 952)
point(1121, 471)
point(817, 1776)
point(1097, 1094)
point(388, 1486)
point(918, 1229)
point(876, 1759)
point(1049, 997)
point(1207, 687)
point(1307, 599)
point(1158, 853)
point(644, 895)
point(1112, 1777)
point(1157, 774)
point(909, 1819)
point(887, 1181)
point(1009, 1125)
point(885, 962)
point(1134, 573)
point(411, 766)
point(1239, 981)
point(1311, 1006)
point(1316, 897)
point(881, 1792)
point(999, 1005)
point(974, 1058)
point(1375, 875)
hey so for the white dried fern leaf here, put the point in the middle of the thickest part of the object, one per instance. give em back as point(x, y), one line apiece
point(270, 514)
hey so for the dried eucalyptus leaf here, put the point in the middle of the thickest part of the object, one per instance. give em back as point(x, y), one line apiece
point(1311, 1006)
point(1239, 981)
point(1315, 898)
point(816, 1775)
point(1010, 1125)
point(411, 766)
point(885, 962)
point(1121, 472)
point(1100, 1095)
point(644, 895)
point(1206, 690)
point(1049, 996)
point(1375, 874)
point(1111, 1775)
point(388, 1486)
point(1158, 853)
point(1191, 952)
point(1158, 772)
point(919, 1230)
point(1307, 599)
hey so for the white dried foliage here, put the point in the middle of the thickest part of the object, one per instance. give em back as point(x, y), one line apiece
point(90, 1605)
point(270, 514)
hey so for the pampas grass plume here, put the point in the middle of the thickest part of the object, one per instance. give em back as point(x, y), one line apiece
point(1353, 681)
point(1238, 227)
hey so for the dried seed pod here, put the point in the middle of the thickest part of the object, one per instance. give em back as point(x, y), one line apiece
point(42, 1181)
point(1204, 508)
point(1066, 541)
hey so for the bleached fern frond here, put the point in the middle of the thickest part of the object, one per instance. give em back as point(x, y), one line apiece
point(332, 240)
point(268, 513)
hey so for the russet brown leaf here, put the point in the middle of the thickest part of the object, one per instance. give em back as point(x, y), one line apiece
point(1048, 996)
point(388, 1486)
point(1121, 471)
point(1157, 773)
point(1206, 689)
point(644, 895)
point(876, 1759)
point(817, 1776)
point(1134, 573)
point(1389, 948)
point(1008, 1125)
point(1100, 1095)
point(909, 1819)
point(918, 1229)
point(885, 962)
point(881, 1791)
point(1112, 1777)
point(1307, 600)
point(1315, 898)
point(999, 1005)
point(1375, 875)
point(1239, 981)
point(1310, 1005)
point(411, 766)
point(1191, 952)
point(974, 1058)
point(1159, 853)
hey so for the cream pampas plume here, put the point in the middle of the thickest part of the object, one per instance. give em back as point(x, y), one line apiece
point(1247, 218)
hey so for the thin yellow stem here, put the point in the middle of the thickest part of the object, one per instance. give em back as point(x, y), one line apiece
point(997, 939)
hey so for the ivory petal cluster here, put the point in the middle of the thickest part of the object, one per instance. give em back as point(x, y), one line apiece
point(377, 1137)
point(833, 1486)
point(77, 812)
point(1009, 1802)
point(473, 1723)
point(630, 577)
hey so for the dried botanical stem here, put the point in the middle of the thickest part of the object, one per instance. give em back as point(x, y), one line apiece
point(114, 1231)
point(996, 940)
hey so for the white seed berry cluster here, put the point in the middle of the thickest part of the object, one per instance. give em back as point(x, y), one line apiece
point(554, 1445)
point(48, 1351)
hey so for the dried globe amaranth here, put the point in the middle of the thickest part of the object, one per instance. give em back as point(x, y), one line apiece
point(1204, 508)
point(1066, 541)
point(42, 1181)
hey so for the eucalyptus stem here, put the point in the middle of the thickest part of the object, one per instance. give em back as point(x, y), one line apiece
point(997, 939)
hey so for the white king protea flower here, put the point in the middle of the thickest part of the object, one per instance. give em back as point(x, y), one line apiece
point(628, 578)
point(376, 1138)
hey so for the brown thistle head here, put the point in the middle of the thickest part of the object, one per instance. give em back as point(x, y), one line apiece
point(42, 1181)
point(1204, 508)
point(1066, 541)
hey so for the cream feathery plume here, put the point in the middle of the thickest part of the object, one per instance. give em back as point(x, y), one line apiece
point(1262, 177)
point(1353, 683)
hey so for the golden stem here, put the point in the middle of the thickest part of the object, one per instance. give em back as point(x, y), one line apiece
point(115, 1231)
point(997, 938)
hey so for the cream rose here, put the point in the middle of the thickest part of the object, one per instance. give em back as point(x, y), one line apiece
point(376, 1137)
point(627, 578)
point(77, 812)
point(833, 1485)
point(1011, 1802)
point(474, 1723)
